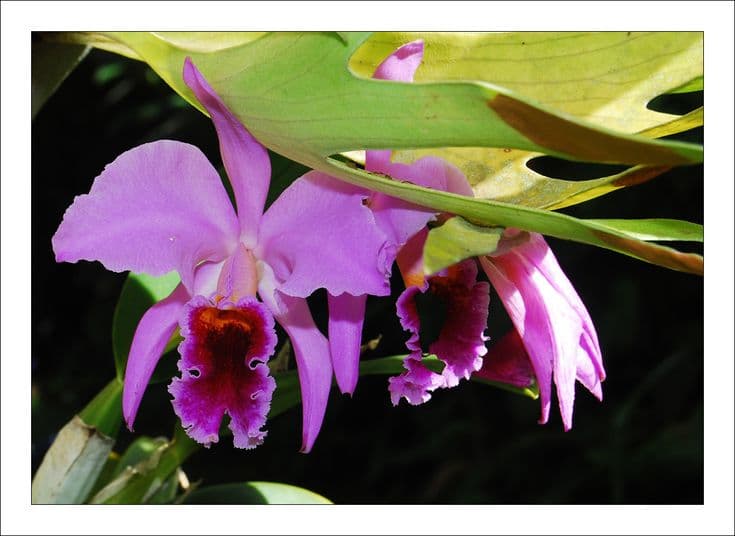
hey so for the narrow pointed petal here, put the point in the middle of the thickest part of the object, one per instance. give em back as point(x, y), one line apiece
point(536, 340)
point(245, 159)
point(311, 350)
point(346, 316)
point(402, 64)
point(539, 253)
point(223, 370)
point(551, 319)
point(151, 336)
point(319, 234)
point(156, 208)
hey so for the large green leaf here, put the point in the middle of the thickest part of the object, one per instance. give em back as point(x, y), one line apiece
point(75, 459)
point(607, 78)
point(254, 493)
point(295, 93)
point(138, 294)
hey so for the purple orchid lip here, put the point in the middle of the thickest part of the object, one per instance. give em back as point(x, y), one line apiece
point(223, 370)
point(460, 343)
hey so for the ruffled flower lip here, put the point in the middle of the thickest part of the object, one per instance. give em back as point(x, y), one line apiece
point(223, 370)
point(456, 336)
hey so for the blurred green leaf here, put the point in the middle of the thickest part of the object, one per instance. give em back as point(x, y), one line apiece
point(104, 412)
point(254, 493)
point(455, 240)
point(139, 483)
point(71, 465)
point(51, 63)
point(140, 449)
point(138, 294)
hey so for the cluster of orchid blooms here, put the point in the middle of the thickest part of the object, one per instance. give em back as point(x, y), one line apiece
point(162, 206)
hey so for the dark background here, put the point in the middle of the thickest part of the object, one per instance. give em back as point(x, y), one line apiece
point(470, 444)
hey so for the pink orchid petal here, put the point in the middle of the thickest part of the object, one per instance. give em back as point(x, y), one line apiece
point(507, 362)
point(552, 321)
point(340, 249)
point(415, 384)
point(311, 350)
point(238, 277)
point(156, 208)
point(401, 65)
point(223, 370)
point(538, 350)
point(346, 315)
point(539, 253)
point(398, 219)
point(151, 336)
point(245, 159)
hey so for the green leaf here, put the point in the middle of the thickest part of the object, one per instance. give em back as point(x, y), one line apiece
point(138, 294)
point(104, 412)
point(51, 63)
point(140, 449)
point(456, 240)
point(607, 78)
point(254, 493)
point(695, 84)
point(71, 465)
point(656, 229)
point(290, 89)
point(141, 482)
point(693, 119)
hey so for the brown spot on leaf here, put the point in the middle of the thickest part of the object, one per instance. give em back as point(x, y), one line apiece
point(564, 136)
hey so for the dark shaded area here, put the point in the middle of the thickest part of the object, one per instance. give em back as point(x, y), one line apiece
point(471, 444)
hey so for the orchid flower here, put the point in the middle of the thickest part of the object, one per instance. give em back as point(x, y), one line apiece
point(557, 334)
point(162, 206)
point(554, 329)
point(460, 344)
